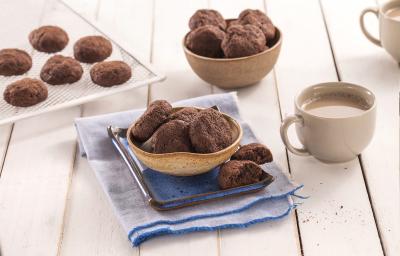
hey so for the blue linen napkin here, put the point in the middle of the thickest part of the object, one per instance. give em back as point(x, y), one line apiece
point(139, 220)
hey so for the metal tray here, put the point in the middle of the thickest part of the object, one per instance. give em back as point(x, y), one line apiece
point(189, 191)
point(63, 96)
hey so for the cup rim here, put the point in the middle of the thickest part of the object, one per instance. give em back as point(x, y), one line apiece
point(366, 112)
point(188, 51)
point(383, 6)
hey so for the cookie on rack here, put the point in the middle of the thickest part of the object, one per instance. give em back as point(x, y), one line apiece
point(49, 39)
point(61, 70)
point(14, 62)
point(25, 92)
point(91, 49)
point(110, 73)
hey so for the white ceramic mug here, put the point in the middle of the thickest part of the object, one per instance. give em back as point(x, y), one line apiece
point(331, 139)
point(389, 29)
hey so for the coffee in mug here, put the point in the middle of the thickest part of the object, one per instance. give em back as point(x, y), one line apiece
point(334, 121)
point(389, 27)
point(337, 105)
point(394, 13)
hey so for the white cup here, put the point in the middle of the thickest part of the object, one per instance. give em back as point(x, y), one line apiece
point(331, 139)
point(389, 29)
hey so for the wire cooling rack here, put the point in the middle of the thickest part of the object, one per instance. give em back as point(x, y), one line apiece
point(63, 96)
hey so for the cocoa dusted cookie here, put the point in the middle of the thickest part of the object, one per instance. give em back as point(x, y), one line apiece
point(48, 39)
point(255, 152)
point(25, 92)
point(61, 70)
point(110, 73)
point(206, 41)
point(91, 49)
point(156, 114)
point(186, 114)
point(204, 17)
point(239, 173)
point(172, 136)
point(14, 62)
point(243, 40)
point(210, 132)
point(259, 19)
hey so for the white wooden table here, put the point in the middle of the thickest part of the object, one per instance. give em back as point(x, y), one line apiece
point(52, 204)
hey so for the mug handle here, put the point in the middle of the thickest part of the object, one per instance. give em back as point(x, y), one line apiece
point(362, 24)
point(284, 128)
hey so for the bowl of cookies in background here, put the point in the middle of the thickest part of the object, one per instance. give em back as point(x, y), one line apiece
point(232, 53)
point(183, 141)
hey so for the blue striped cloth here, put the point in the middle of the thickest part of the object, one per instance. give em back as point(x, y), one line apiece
point(139, 220)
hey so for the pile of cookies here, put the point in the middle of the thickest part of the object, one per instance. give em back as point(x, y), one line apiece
point(186, 130)
point(213, 36)
point(200, 131)
point(59, 69)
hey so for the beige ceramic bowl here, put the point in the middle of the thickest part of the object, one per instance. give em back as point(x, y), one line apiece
point(184, 163)
point(230, 73)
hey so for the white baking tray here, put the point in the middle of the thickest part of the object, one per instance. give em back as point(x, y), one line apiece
point(64, 96)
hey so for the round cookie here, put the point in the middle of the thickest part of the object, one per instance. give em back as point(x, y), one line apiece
point(238, 173)
point(25, 92)
point(243, 40)
point(110, 73)
point(14, 62)
point(91, 49)
point(206, 41)
point(61, 70)
point(171, 137)
point(259, 19)
point(186, 114)
point(255, 152)
point(204, 17)
point(48, 39)
point(155, 115)
point(210, 132)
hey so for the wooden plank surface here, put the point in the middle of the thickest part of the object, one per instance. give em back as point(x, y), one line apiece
point(75, 217)
point(338, 209)
point(91, 226)
point(259, 106)
point(169, 30)
point(359, 61)
point(38, 164)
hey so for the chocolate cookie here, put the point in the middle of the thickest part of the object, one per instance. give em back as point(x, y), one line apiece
point(156, 114)
point(239, 173)
point(259, 19)
point(255, 152)
point(210, 132)
point(25, 92)
point(241, 41)
point(110, 73)
point(14, 62)
point(207, 17)
point(171, 137)
point(206, 41)
point(186, 114)
point(91, 49)
point(61, 70)
point(48, 39)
